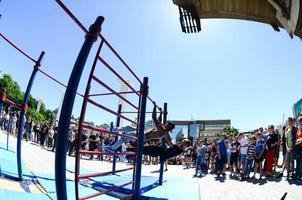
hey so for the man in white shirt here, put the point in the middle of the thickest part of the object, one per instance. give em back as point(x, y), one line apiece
point(244, 142)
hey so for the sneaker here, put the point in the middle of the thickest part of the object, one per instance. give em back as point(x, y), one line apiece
point(109, 149)
point(279, 175)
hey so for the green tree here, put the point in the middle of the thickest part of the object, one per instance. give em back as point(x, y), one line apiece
point(13, 89)
point(230, 131)
point(15, 94)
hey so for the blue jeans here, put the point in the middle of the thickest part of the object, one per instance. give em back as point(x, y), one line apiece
point(199, 160)
point(249, 166)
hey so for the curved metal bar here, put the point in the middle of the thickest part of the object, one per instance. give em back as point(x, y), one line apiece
point(67, 106)
point(22, 114)
point(17, 48)
point(82, 118)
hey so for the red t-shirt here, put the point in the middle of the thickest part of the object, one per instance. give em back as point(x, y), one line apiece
point(299, 135)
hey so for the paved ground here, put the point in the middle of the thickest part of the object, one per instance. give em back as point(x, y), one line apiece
point(40, 160)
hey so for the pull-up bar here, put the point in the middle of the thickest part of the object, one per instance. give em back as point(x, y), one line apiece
point(17, 48)
point(110, 93)
point(75, 19)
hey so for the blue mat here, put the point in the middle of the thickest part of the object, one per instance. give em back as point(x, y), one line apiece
point(12, 195)
point(107, 182)
point(8, 164)
point(48, 182)
point(176, 188)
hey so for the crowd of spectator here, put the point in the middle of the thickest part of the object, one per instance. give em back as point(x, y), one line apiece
point(249, 156)
point(245, 156)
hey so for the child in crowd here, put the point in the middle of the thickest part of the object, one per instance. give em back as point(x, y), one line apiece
point(234, 148)
point(187, 155)
point(259, 150)
point(213, 155)
point(251, 152)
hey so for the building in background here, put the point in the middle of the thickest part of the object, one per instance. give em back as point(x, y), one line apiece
point(297, 109)
point(198, 128)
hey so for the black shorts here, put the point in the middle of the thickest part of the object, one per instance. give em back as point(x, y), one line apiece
point(162, 152)
point(224, 159)
point(284, 150)
point(259, 160)
point(234, 158)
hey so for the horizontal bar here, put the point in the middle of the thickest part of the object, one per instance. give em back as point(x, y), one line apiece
point(73, 17)
point(110, 111)
point(106, 191)
point(106, 153)
point(61, 4)
point(116, 74)
point(106, 131)
point(84, 176)
point(17, 48)
point(113, 91)
point(136, 112)
point(12, 103)
point(110, 93)
point(120, 58)
point(52, 78)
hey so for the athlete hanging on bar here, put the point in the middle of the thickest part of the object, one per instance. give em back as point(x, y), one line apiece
point(160, 131)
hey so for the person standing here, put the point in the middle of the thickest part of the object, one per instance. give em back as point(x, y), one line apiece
point(234, 147)
point(36, 129)
point(93, 143)
point(188, 154)
point(221, 155)
point(213, 155)
point(71, 141)
point(271, 144)
point(51, 134)
point(244, 142)
point(283, 145)
point(290, 135)
point(298, 173)
point(251, 153)
point(2, 118)
point(200, 159)
point(43, 133)
point(259, 151)
point(28, 128)
point(14, 124)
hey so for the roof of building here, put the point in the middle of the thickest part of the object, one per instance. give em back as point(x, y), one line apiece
point(277, 13)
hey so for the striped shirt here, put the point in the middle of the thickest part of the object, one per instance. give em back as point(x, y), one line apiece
point(251, 151)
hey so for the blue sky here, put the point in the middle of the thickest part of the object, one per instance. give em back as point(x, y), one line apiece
point(238, 70)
